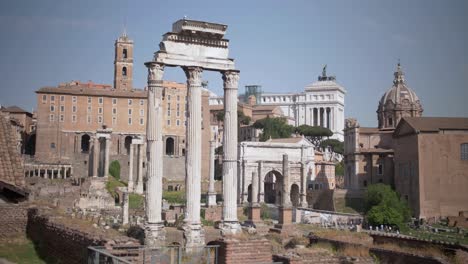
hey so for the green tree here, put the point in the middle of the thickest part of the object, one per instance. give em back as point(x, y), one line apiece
point(314, 134)
point(274, 127)
point(335, 145)
point(114, 169)
point(383, 206)
point(339, 168)
point(241, 117)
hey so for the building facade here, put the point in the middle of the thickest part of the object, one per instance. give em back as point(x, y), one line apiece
point(69, 115)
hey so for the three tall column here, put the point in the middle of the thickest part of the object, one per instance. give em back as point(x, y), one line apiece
point(230, 223)
point(193, 230)
point(154, 228)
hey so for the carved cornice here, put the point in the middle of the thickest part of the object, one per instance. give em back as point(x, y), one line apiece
point(194, 76)
point(231, 79)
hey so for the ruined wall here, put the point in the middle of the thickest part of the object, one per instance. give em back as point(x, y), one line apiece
point(11, 167)
point(13, 220)
point(57, 242)
point(235, 251)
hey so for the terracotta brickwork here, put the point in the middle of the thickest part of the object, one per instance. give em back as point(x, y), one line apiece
point(11, 167)
point(234, 251)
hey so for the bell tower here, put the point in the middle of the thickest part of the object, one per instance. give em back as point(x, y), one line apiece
point(123, 63)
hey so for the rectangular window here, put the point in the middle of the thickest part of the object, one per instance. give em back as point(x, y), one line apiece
point(142, 102)
point(62, 108)
point(51, 118)
point(130, 101)
point(114, 120)
point(62, 98)
point(74, 109)
point(178, 98)
point(44, 98)
point(142, 112)
point(129, 111)
point(114, 101)
point(74, 118)
point(464, 151)
point(380, 170)
point(52, 98)
point(100, 110)
point(89, 119)
point(74, 99)
point(100, 100)
point(99, 119)
point(142, 121)
point(129, 120)
point(168, 97)
point(168, 122)
point(62, 118)
point(178, 122)
point(52, 108)
point(114, 111)
point(178, 113)
point(90, 99)
point(89, 109)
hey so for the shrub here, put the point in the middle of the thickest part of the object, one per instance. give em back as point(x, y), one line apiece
point(135, 201)
point(114, 169)
point(264, 212)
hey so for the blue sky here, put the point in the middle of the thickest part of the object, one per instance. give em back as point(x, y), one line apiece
point(281, 45)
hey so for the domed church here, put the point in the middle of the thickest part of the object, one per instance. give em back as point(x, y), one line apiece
point(399, 101)
point(411, 153)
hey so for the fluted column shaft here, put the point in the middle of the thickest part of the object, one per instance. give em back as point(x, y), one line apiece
point(130, 169)
point(231, 79)
point(107, 157)
point(96, 150)
point(211, 186)
point(154, 143)
point(193, 141)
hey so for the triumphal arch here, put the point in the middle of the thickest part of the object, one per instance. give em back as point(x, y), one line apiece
point(195, 46)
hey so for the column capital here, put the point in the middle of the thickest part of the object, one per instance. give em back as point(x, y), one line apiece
point(231, 79)
point(155, 72)
point(194, 75)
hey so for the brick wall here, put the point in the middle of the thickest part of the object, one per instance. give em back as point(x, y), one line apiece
point(59, 243)
point(13, 220)
point(233, 251)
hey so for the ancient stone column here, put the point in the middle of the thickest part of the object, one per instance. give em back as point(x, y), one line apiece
point(155, 234)
point(211, 186)
point(303, 202)
point(107, 157)
point(130, 169)
point(139, 183)
point(285, 197)
point(230, 224)
point(193, 231)
point(96, 156)
point(125, 203)
point(261, 183)
point(254, 214)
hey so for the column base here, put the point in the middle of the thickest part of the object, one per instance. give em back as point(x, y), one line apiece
point(230, 228)
point(194, 236)
point(211, 199)
point(254, 214)
point(130, 187)
point(139, 189)
point(155, 235)
point(285, 215)
point(304, 205)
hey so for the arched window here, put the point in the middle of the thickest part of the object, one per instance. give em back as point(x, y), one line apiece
point(127, 144)
point(85, 143)
point(124, 53)
point(169, 146)
point(124, 71)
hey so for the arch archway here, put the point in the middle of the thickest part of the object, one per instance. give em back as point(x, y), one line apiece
point(127, 144)
point(294, 195)
point(169, 146)
point(85, 143)
point(272, 187)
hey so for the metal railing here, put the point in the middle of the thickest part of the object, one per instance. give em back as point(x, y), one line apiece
point(166, 255)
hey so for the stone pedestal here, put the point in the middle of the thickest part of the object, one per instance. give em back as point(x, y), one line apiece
point(194, 236)
point(254, 214)
point(155, 235)
point(285, 215)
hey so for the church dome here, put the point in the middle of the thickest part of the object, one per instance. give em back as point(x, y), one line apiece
point(399, 101)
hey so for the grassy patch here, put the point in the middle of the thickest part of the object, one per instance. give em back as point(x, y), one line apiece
point(174, 197)
point(112, 184)
point(20, 251)
point(135, 201)
point(452, 237)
